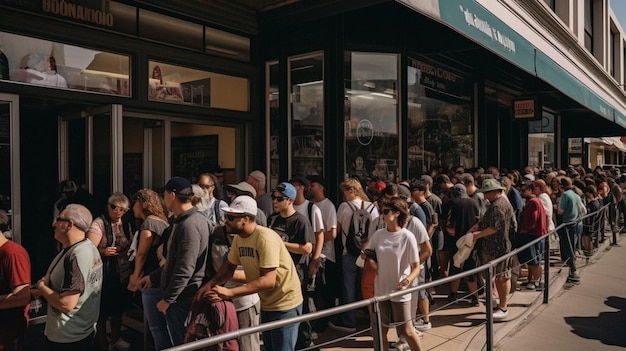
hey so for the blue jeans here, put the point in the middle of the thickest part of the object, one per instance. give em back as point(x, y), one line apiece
point(281, 339)
point(350, 274)
point(167, 329)
point(568, 239)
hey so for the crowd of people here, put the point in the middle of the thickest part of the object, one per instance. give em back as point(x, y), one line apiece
point(210, 258)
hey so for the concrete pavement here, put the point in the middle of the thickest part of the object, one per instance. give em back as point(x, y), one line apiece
point(589, 316)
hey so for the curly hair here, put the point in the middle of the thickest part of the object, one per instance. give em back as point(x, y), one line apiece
point(152, 203)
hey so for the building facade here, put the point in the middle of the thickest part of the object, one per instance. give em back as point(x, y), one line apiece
point(121, 95)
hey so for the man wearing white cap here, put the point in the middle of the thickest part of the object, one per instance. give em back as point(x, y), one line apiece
point(269, 270)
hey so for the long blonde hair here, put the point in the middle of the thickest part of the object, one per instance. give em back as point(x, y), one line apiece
point(354, 185)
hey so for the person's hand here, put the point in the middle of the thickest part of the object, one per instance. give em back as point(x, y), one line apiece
point(132, 282)
point(403, 284)
point(110, 251)
point(223, 293)
point(43, 282)
point(204, 290)
point(314, 266)
point(162, 306)
point(34, 293)
point(144, 283)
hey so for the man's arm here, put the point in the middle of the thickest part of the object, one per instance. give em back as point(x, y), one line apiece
point(267, 280)
point(226, 272)
point(65, 301)
point(485, 232)
point(303, 249)
point(425, 251)
point(19, 297)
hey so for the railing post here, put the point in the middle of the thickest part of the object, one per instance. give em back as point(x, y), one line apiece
point(488, 302)
point(546, 268)
point(379, 329)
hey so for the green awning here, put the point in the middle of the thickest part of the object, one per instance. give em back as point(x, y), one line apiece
point(474, 21)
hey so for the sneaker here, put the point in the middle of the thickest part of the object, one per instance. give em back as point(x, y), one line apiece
point(342, 328)
point(500, 313)
point(573, 277)
point(531, 286)
point(120, 344)
point(421, 325)
point(474, 301)
point(400, 345)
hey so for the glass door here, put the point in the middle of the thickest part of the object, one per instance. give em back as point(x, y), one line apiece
point(10, 163)
point(91, 151)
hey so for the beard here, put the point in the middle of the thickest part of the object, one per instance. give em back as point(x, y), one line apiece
point(233, 230)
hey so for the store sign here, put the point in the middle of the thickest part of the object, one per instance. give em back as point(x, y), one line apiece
point(438, 78)
point(528, 109)
point(89, 12)
point(574, 146)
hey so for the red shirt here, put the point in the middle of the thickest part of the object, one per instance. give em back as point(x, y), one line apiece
point(14, 271)
point(533, 218)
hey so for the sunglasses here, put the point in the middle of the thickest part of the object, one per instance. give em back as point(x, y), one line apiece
point(387, 210)
point(113, 207)
point(279, 198)
point(231, 218)
point(59, 219)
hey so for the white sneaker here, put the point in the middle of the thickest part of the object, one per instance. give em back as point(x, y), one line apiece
point(500, 314)
point(400, 345)
point(120, 344)
point(421, 325)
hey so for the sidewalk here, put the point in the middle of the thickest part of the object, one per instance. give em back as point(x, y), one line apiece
point(462, 327)
point(589, 316)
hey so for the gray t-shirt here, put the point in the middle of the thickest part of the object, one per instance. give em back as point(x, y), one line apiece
point(76, 268)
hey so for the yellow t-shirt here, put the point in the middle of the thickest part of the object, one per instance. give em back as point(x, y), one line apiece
point(265, 249)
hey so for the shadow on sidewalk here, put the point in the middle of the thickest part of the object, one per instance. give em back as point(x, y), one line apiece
point(607, 327)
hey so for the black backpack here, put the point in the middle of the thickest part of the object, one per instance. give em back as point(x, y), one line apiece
point(359, 227)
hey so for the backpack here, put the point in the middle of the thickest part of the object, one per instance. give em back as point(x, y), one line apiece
point(207, 318)
point(359, 227)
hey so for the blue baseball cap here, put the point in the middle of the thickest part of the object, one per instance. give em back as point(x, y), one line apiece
point(287, 189)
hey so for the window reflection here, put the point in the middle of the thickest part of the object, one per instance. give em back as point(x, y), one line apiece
point(307, 113)
point(177, 84)
point(51, 64)
point(440, 124)
point(371, 115)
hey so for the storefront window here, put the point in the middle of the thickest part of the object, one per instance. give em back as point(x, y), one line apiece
point(307, 114)
point(273, 118)
point(541, 147)
point(440, 124)
point(51, 64)
point(371, 115)
point(190, 86)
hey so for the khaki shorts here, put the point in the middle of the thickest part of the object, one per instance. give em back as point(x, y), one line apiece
point(502, 269)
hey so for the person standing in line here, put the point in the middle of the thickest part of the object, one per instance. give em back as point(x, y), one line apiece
point(297, 234)
point(326, 292)
point(148, 207)
point(269, 271)
point(263, 198)
point(14, 290)
point(212, 203)
point(72, 285)
point(353, 195)
point(532, 225)
point(436, 239)
point(243, 188)
point(567, 208)
point(397, 258)
point(185, 263)
point(495, 226)
point(110, 233)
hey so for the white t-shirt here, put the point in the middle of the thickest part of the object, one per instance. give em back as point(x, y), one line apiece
point(316, 215)
point(395, 251)
point(329, 217)
point(547, 206)
point(344, 216)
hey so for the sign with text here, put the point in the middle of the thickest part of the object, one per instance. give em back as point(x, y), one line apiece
point(528, 109)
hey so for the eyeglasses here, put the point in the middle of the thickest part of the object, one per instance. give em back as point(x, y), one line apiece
point(59, 219)
point(279, 198)
point(113, 207)
point(231, 218)
point(386, 211)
